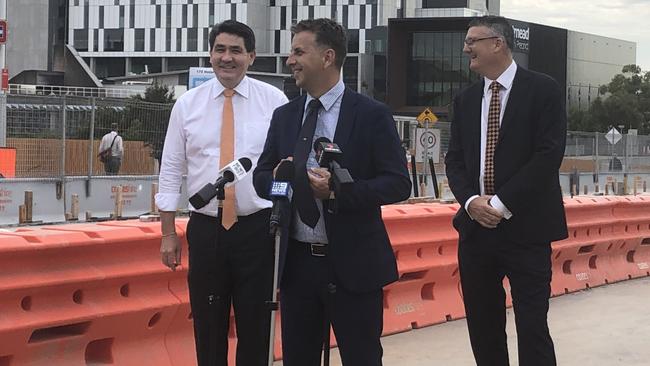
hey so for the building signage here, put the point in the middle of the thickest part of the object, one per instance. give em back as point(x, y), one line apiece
point(199, 75)
point(522, 37)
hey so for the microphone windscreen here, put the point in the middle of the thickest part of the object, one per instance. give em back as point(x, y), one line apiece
point(246, 163)
point(318, 142)
point(229, 176)
point(285, 171)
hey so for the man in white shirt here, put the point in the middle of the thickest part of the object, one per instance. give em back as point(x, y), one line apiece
point(230, 249)
point(112, 144)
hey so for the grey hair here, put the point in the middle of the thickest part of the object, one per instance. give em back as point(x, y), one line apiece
point(499, 26)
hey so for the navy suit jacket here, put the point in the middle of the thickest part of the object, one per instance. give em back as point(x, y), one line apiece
point(359, 250)
point(527, 158)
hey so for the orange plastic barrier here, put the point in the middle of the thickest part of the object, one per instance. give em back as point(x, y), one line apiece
point(634, 229)
point(425, 245)
point(583, 260)
point(86, 294)
point(83, 294)
point(7, 162)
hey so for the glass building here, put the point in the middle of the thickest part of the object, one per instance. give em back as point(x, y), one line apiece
point(437, 68)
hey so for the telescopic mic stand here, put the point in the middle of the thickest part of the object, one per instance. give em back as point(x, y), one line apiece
point(276, 231)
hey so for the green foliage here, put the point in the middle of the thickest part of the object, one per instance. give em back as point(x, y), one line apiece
point(147, 117)
point(624, 101)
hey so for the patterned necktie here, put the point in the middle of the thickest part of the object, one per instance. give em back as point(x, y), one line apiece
point(303, 194)
point(492, 137)
point(226, 155)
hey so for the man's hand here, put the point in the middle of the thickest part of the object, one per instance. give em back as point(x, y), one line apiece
point(289, 158)
point(170, 251)
point(319, 179)
point(481, 211)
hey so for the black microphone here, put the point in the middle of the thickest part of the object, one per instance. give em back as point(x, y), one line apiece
point(232, 172)
point(328, 155)
point(281, 193)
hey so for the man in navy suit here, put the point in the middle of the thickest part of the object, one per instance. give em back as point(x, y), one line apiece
point(507, 143)
point(337, 257)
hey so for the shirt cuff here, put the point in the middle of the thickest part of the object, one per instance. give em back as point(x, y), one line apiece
point(167, 201)
point(467, 204)
point(499, 206)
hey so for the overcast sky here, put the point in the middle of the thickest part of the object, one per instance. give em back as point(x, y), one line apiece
point(623, 19)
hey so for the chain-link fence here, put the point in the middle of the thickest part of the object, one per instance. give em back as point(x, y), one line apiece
point(55, 136)
point(602, 153)
point(585, 151)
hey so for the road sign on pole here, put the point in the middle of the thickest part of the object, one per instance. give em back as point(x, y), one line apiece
point(613, 136)
point(3, 31)
point(427, 116)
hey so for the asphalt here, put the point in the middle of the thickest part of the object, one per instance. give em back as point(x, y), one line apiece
point(603, 326)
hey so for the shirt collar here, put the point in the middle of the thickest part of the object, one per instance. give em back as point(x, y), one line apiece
point(243, 88)
point(328, 99)
point(505, 79)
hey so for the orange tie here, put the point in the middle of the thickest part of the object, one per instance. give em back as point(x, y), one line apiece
point(227, 154)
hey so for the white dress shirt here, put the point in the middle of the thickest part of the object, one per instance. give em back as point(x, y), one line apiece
point(505, 79)
point(118, 148)
point(194, 137)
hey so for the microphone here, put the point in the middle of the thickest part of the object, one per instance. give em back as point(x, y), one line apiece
point(328, 155)
point(281, 192)
point(326, 152)
point(231, 173)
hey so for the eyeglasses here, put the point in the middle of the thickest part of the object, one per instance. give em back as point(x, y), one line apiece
point(471, 41)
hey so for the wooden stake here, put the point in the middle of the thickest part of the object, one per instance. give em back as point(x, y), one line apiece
point(154, 190)
point(29, 201)
point(118, 203)
point(22, 214)
point(74, 209)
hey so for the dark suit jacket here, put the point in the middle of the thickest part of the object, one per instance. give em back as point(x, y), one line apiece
point(527, 158)
point(359, 249)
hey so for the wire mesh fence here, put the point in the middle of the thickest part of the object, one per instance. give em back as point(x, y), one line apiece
point(57, 136)
point(585, 151)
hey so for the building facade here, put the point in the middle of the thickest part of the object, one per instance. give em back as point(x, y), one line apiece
point(430, 50)
point(119, 39)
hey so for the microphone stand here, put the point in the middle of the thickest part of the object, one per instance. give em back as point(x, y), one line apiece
point(276, 231)
point(221, 196)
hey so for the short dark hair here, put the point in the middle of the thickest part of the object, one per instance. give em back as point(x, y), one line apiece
point(328, 33)
point(499, 25)
point(236, 28)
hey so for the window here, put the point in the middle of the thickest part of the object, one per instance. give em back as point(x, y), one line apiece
point(139, 40)
point(81, 40)
point(192, 39)
point(437, 68)
point(114, 40)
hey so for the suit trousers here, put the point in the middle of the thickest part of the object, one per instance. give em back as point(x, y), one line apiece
point(310, 296)
point(484, 258)
point(230, 267)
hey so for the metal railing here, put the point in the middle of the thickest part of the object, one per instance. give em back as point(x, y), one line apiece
point(56, 90)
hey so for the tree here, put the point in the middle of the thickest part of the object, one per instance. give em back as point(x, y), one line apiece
point(624, 101)
point(148, 117)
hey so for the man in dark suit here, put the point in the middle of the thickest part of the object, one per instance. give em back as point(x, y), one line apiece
point(507, 143)
point(338, 256)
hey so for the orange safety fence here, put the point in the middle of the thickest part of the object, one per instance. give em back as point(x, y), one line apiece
point(81, 294)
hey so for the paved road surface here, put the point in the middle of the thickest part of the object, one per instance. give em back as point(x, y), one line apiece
point(604, 326)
